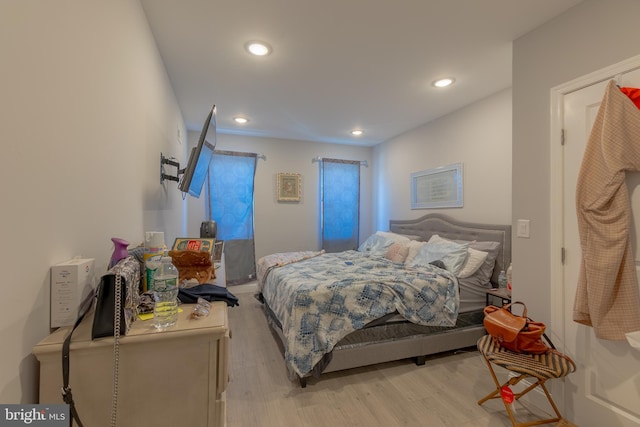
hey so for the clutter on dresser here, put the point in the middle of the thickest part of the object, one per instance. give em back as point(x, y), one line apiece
point(502, 280)
point(119, 250)
point(192, 264)
point(208, 292)
point(165, 295)
point(208, 229)
point(154, 249)
point(116, 308)
point(72, 282)
point(201, 309)
point(126, 273)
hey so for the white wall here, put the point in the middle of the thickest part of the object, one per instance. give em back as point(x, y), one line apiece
point(588, 37)
point(478, 135)
point(86, 109)
point(281, 227)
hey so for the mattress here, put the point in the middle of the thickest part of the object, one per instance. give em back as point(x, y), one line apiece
point(320, 300)
point(387, 329)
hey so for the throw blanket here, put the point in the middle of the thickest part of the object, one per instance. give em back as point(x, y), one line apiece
point(320, 300)
point(266, 263)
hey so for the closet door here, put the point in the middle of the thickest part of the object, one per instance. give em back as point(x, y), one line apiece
point(605, 390)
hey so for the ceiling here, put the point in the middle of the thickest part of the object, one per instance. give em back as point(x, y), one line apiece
point(338, 65)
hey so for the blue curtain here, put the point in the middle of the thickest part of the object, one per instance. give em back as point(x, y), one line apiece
point(340, 204)
point(231, 181)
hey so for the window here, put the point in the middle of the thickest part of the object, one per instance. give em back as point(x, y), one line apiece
point(339, 204)
point(231, 180)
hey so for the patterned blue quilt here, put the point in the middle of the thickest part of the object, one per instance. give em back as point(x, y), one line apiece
point(320, 300)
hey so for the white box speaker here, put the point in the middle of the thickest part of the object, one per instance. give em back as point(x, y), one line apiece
point(71, 283)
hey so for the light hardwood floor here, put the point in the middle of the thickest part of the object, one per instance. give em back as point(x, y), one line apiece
point(443, 392)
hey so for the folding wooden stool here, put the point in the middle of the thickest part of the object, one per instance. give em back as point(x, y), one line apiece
point(538, 366)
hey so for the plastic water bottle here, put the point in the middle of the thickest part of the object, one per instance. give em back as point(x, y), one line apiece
point(502, 279)
point(153, 251)
point(165, 294)
point(166, 275)
point(509, 276)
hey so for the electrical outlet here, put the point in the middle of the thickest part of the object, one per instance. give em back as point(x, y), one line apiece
point(523, 228)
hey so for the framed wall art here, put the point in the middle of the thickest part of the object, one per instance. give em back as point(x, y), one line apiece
point(218, 248)
point(439, 187)
point(289, 187)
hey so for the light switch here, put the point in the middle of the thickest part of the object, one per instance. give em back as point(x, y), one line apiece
point(523, 228)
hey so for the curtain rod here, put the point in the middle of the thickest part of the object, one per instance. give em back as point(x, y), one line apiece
point(241, 153)
point(319, 159)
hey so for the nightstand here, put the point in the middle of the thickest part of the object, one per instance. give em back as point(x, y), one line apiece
point(503, 293)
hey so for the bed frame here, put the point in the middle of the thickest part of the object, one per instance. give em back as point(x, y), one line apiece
point(449, 228)
point(420, 346)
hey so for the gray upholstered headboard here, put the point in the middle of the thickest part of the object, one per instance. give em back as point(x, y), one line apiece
point(450, 228)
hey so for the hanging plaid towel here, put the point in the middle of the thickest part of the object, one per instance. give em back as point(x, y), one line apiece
point(607, 297)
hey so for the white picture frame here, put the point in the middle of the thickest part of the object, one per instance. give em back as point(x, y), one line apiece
point(439, 187)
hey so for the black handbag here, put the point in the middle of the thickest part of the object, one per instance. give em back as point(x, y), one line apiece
point(129, 271)
point(67, 396)
point(123, 280)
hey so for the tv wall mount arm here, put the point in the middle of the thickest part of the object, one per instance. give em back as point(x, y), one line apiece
point(171, 162)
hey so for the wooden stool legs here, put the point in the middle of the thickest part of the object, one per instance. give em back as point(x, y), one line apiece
point(513, 381)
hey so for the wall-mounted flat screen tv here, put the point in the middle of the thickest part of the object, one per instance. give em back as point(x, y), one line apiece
point(198, 166)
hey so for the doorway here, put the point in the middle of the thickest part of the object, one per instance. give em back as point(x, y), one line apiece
point(605, 389)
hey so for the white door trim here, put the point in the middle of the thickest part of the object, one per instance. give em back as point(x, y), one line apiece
point(558, 314)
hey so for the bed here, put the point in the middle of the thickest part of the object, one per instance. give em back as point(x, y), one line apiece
point(410, 298)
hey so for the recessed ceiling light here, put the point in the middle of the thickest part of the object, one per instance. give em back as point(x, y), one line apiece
point(444, 82)
point(240, 120)
point(357, 132)
point(258, 48)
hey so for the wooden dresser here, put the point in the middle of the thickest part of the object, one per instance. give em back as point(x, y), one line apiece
point(175, 377)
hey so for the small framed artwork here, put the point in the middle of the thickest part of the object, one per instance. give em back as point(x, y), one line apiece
point(218, 248)
point(289, 187)
point(439, 187)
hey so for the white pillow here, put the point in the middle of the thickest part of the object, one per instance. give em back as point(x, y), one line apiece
point(474, 260)
point(482, 276)
point(437, 238)
point(452, 254)
point(414, 247)
point(376, 245)
point(398, 238)
point(411, 236)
